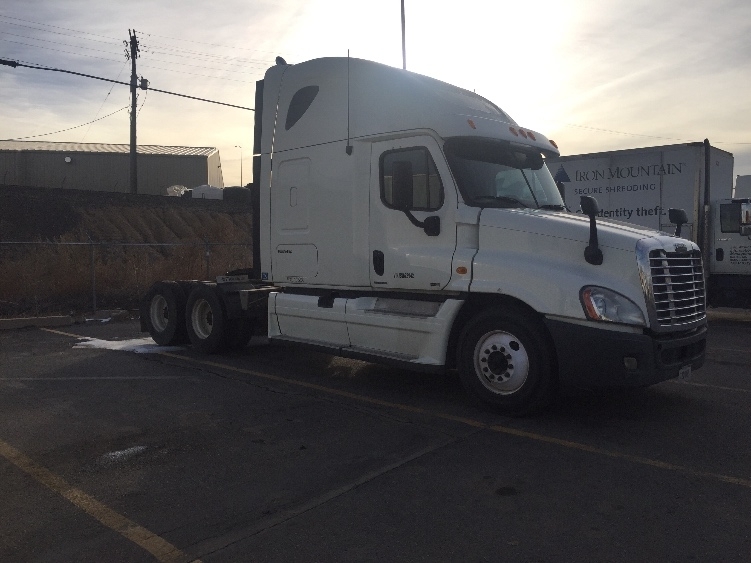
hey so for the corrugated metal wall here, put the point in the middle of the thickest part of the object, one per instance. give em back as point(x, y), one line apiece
point(108, 172)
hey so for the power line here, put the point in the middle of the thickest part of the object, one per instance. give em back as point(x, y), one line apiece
point(209, 44)
point(143, 83)
point(238, 63)
point(59, 50)
point(114, 39)
point(146, 95)
point(69, 128)
point(56, 27)
point(50, 41)
point(648, 136)
point(152, 67)
point(105, 100)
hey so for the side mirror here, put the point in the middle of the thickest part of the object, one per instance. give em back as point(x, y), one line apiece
point(589, 206)
point(592, 254)
point(679, 218)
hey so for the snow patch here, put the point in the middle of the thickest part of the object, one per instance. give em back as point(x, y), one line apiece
point(122, 455)
point(138, 345)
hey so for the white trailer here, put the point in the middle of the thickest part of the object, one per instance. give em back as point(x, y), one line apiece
point(403, 220)
point(640, 185)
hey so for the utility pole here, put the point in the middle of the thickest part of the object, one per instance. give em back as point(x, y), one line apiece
point(133, 44)
point(404, 45)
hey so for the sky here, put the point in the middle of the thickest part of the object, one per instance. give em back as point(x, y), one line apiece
point(593, 75)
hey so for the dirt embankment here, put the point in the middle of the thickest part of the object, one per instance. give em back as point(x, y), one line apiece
point(109, 247)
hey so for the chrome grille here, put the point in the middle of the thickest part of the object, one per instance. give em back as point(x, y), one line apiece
point(677, 287)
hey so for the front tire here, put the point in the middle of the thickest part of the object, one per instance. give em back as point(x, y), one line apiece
point(205, 320)
point(505, 360)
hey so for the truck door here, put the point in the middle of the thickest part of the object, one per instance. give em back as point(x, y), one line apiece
point(412, 212)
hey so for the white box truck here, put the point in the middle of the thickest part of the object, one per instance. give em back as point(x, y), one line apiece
point(742, 188)
point(403, 220)
point(639, 186)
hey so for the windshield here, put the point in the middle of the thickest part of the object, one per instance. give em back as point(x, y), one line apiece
point(494, 174)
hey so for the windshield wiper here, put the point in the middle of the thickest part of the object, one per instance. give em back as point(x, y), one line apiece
point(501, 198)
point(554, 207)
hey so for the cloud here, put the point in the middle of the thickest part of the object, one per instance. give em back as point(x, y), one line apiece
point(662, 69)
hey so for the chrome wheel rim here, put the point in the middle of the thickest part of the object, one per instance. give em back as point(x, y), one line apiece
point(501, 362)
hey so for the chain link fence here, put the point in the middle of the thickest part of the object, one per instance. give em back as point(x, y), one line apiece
point(44, 277)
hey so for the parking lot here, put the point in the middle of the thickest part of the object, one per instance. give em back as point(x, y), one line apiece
point(278, 454)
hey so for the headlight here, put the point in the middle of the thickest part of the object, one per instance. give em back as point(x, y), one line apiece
point(602, 304)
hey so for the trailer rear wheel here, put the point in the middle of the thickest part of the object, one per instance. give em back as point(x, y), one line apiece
point(205, 319)
point(505, 360)
point(162, 313)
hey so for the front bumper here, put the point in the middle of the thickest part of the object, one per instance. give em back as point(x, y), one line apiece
point(594, 357)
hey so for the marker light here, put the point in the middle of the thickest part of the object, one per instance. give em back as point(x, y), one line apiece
point(531, 135)
point(523, 133)
point(471, 124)
point(552, 142)
point(513, 131)
point(461, 270)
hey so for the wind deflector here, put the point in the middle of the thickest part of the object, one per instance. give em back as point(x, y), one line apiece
point(299, 105)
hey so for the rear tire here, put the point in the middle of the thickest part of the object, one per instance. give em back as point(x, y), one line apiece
point(205, 320)
point(163, 314)
point(505, 360)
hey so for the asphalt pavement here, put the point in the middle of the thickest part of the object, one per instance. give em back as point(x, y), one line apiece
point(278, 454)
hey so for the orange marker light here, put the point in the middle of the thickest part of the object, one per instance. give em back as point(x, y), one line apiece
point(513, 131)
point(531, 135)
point(552, 142)
point(461, 270)
point(471, 124)
point(523, 133)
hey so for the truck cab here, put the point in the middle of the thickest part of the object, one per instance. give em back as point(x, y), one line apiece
point(403, 220)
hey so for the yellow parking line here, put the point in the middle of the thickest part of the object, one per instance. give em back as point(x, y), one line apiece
point(52, 330)
point(477, 424)
point(160, 548)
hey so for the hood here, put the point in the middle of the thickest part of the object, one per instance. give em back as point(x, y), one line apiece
point(574, 227)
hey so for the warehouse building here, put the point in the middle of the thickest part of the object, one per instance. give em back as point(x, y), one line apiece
point(105, 167)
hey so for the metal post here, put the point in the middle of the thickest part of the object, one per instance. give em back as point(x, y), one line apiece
point(93, 277)
point(404, 46)
point(208, 258)
point(241, 164)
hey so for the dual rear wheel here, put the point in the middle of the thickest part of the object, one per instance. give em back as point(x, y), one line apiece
point(171, 319)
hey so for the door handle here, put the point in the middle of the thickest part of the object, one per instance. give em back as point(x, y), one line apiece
point(378, 262)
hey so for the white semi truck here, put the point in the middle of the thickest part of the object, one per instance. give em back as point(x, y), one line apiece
point(640, 185)
point(403, 220)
